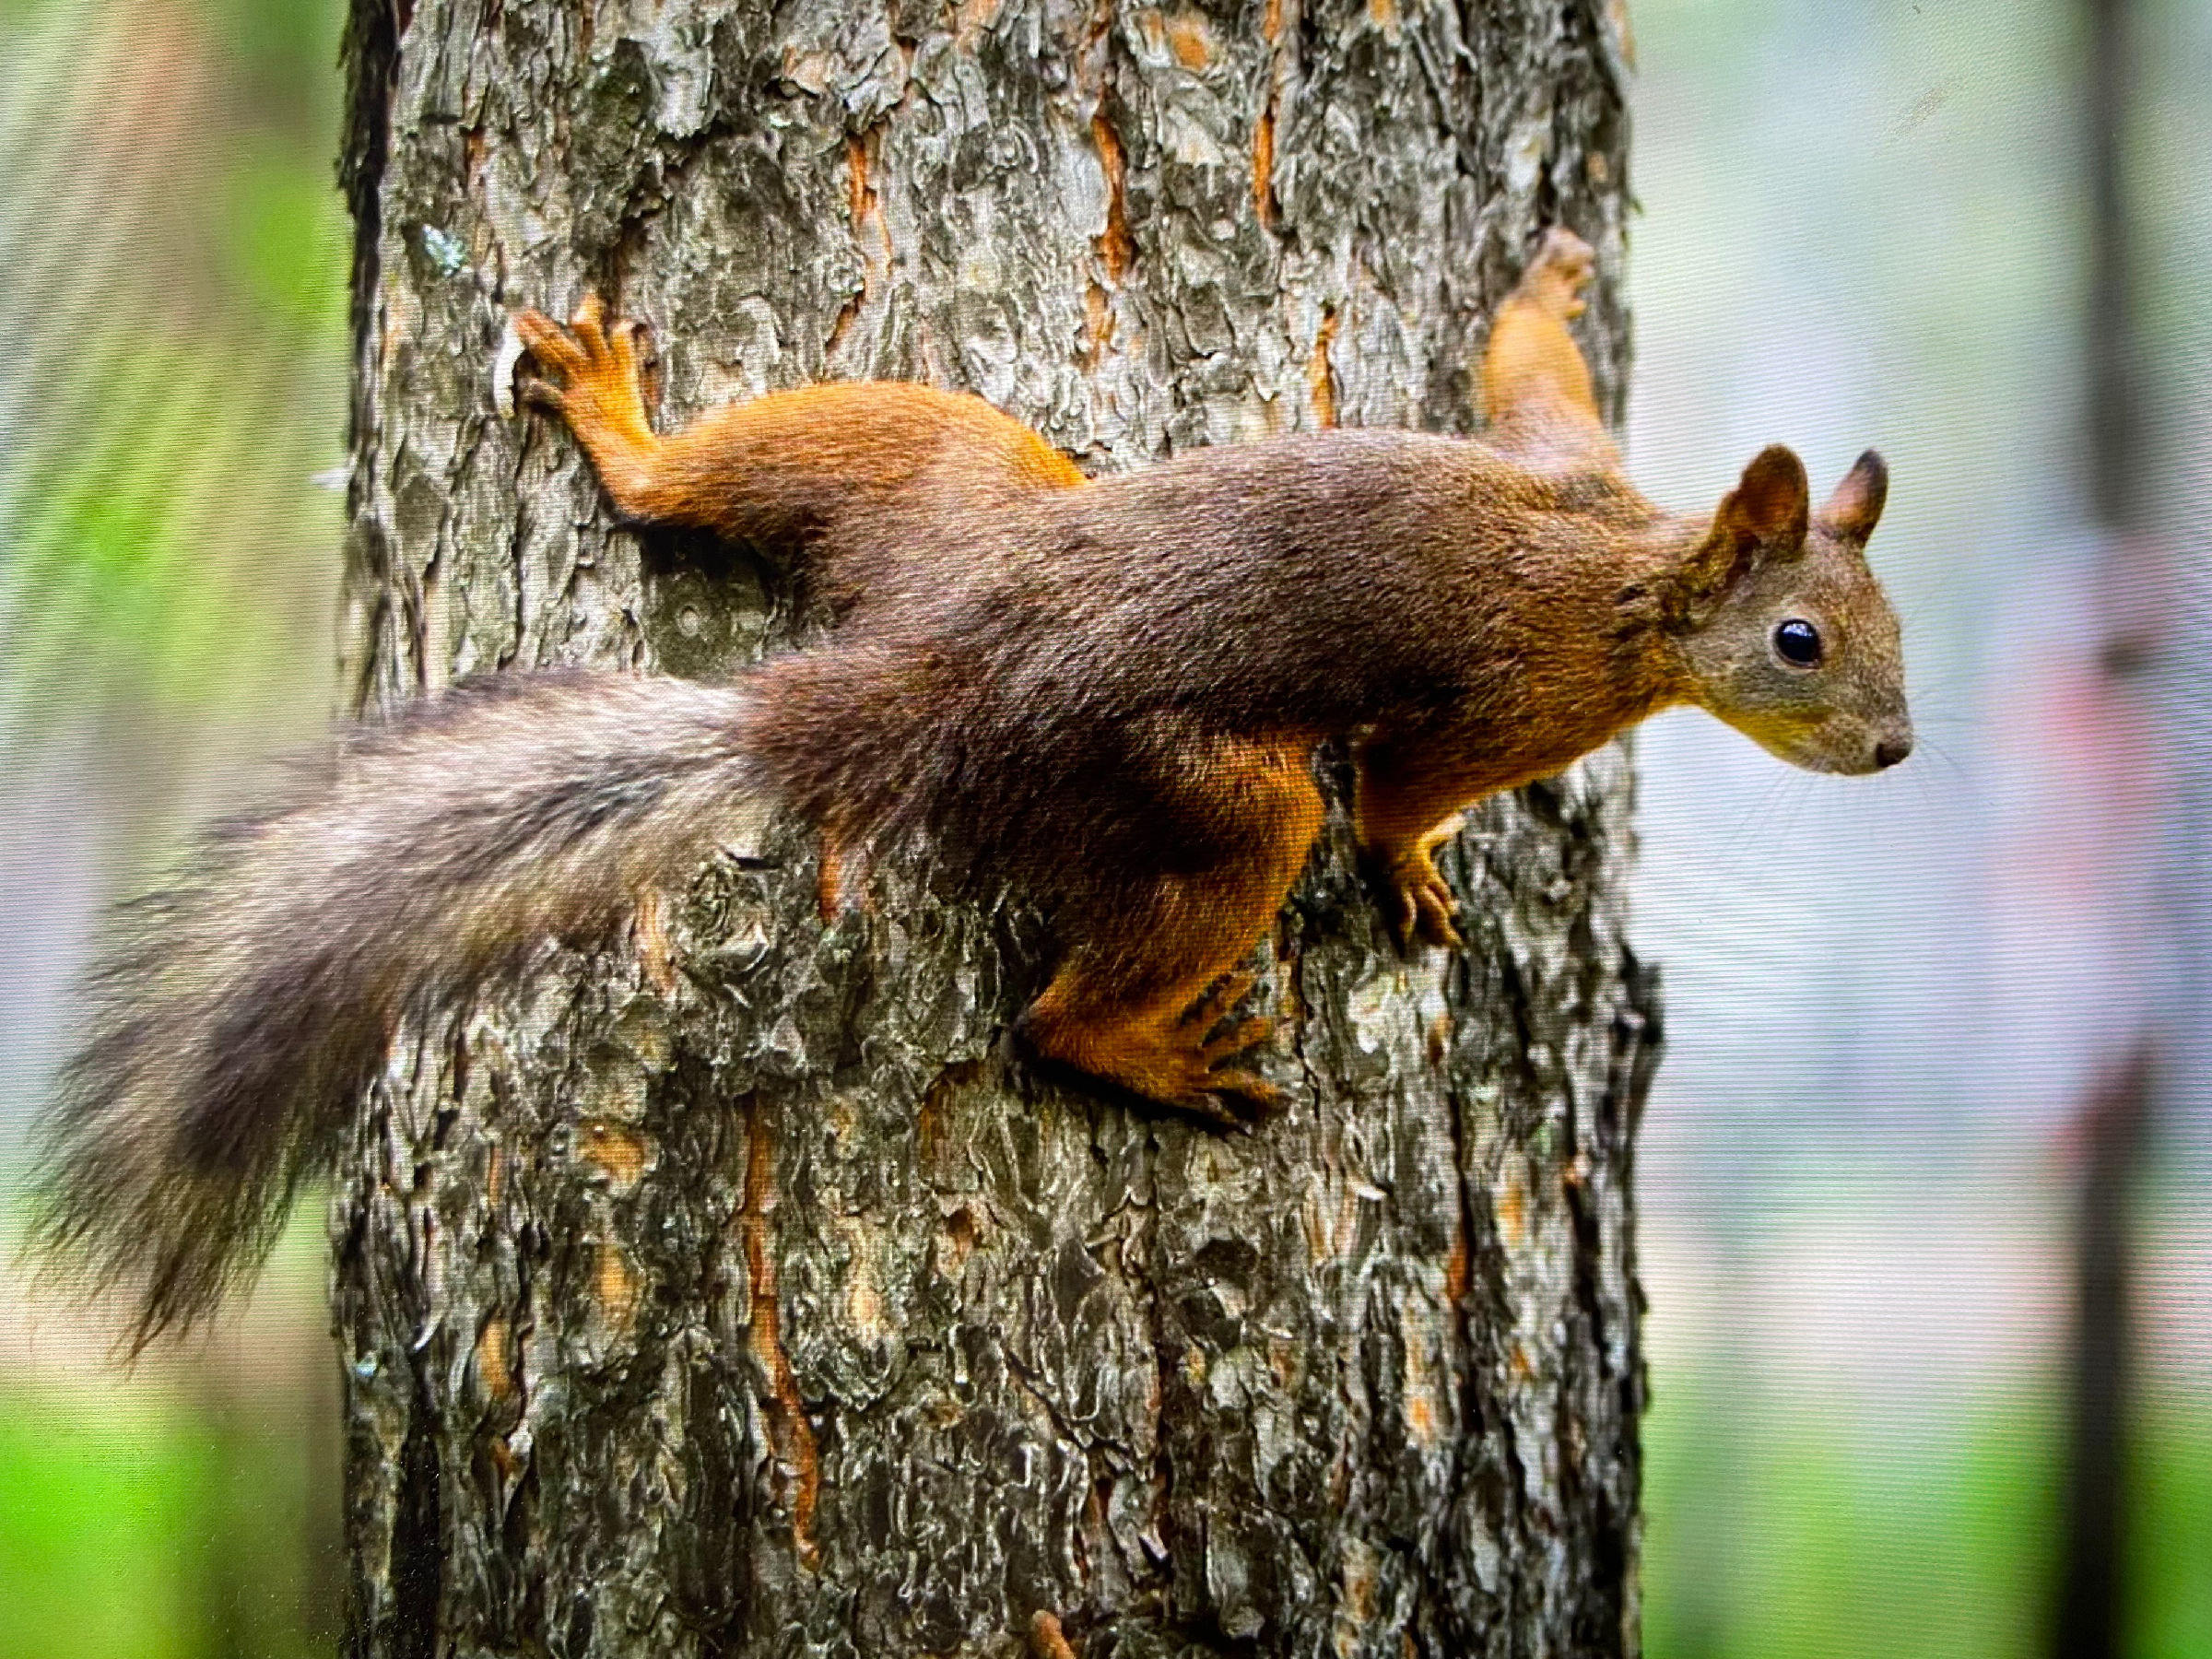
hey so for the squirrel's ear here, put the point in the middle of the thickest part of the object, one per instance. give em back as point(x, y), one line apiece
point(1762, 520)
point(1856, 507)
point(1770, 504)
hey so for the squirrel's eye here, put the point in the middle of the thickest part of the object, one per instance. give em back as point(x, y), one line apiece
point(1798, 641)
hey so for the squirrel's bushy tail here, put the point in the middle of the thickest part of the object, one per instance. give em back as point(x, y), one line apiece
point(239, 1013)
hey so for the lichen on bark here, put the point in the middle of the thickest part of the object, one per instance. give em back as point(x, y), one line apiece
point(745, 1292)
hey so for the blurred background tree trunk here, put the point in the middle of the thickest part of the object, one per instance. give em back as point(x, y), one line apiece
point(769, 1305)
point(2113, 1126)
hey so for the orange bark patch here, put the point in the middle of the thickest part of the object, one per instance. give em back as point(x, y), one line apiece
point(1439, 1039)
point(871, 230)
point(615, 1285)
point(1188, 39)
point(1098, 324)
point(788, 1429)
point(655, 957)
point(492, 1364)
point(1421, 1414)
point(1383, 14)
point(1512, 1213)
point(970, 21)
point(859, 190)
point(1420, 1417)
point(615, 1152)
point(1455, 1270)
point(1321, 375)
point(1263, 166)
point(1116, 248)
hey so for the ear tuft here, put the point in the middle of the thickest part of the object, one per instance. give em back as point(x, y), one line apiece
point(1770, 504)
point(1856, 507)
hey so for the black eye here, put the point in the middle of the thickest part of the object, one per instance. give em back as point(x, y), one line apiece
point(1798, 641)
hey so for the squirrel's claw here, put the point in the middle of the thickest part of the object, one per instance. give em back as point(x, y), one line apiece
point(1422, 904)
point(1244, 1034)
point(549, 343)
point(1231, 1096)
point(544, 396)
point(1222, 995)
point(1426, 905)
point(1240, 1097)
point(585, 326)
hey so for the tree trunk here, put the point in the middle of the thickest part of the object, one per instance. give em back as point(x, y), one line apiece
point(769, 1304)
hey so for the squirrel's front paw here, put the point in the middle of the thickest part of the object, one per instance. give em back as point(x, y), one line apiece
point(591, 358)
point(601, 390)
point(1421, 902)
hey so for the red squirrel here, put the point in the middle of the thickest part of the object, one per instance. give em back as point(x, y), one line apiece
point(1105, 693)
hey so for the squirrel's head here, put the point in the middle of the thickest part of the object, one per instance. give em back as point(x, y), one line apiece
point(1786, 633)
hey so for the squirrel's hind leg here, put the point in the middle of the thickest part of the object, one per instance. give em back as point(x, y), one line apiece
point(1535, 385)
point(1144, 998)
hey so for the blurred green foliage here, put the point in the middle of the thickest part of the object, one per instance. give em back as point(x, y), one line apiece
point(169, 209)
point(287, 240)
point(2171, 1536)
point(186, 1509)
point(1793, 1529)
point(164, 1534)
point(175, 310)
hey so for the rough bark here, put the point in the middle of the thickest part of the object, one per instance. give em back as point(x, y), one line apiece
point(774, 1307)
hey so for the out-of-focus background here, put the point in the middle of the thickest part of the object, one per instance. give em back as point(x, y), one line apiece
point(172, 377)
point(1934, 1046)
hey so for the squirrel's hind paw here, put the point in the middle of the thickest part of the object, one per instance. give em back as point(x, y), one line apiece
point(1176, 1060)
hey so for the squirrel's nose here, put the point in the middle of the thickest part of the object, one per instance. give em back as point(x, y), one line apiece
point(1888, 752)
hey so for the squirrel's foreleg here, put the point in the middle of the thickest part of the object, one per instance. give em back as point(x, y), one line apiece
point(778, 467)
point(600, 397)
point(1410, 790)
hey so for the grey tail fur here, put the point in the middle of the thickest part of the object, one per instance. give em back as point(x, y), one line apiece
point(239, 1013)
